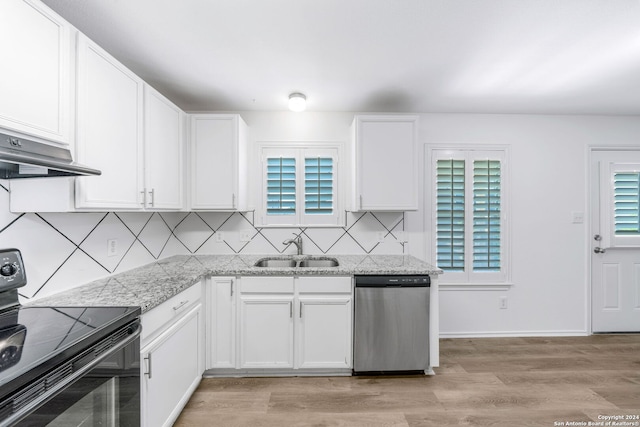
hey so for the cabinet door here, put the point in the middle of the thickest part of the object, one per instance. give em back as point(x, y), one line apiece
point(217, 145)
point(35, 77)
point(109, 130)
point(386, 177)
point(172, 369)
point(266, 331)
point(222, 323)
point(324, 333)
point(163, 152)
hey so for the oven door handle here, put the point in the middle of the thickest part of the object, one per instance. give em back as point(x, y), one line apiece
point(64, 383)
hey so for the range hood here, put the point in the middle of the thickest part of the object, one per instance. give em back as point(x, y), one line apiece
point(24, 158)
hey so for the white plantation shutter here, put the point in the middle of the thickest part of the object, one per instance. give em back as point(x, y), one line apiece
point(318, 186)
point(468, 215)
point(450, 218)
point(281, 186)
point(626, 193)
point(486, 215)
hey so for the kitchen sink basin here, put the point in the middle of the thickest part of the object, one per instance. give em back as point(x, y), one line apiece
point(326, 262)
point(275, 262)
point(303, 263)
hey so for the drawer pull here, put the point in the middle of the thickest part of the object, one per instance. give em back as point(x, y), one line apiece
point(179, 306)
point(148, 359)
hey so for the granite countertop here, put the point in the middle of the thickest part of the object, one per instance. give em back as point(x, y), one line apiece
point(150, 285)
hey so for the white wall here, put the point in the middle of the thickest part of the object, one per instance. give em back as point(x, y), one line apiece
point(550, 254)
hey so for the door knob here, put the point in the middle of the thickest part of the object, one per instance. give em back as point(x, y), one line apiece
point(599, 250)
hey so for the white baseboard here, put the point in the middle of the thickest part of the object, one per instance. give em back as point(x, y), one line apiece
point(514, 334)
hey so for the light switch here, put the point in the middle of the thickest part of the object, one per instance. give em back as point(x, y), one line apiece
point(577, 217)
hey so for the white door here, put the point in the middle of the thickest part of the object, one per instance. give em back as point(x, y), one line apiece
point(163, 152)
point(266, 331)
point(221, 334)
point(109, 131)
point(324, 333)
point(615, 241)
point(172, 369)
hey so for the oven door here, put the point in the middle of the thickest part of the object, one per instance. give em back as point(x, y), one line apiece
point(107, 393)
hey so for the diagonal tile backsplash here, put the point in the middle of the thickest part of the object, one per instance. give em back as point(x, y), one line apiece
point(64, 250)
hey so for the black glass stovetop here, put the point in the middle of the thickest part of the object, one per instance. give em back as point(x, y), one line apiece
point(34, 340)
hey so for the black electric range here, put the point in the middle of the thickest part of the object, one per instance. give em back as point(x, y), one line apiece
point(43, 348)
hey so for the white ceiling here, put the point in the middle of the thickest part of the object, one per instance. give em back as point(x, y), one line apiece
point(485, 56)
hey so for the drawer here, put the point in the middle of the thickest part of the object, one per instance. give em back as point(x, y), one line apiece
point(324, 285)
point(266, 284)
point(169, 310)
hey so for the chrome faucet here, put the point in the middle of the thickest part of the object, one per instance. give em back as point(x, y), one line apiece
point(297, 241)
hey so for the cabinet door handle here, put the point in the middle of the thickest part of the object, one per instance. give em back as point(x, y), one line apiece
point(291, 309)
point(301, 309)
point(144, 197)
point(148, 359)
point(361, 202)
point(231, 287)
point(180, 305)
point(233, 200)
point(153, 197)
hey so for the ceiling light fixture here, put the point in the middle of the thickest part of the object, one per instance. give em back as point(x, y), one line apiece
point(297, 102)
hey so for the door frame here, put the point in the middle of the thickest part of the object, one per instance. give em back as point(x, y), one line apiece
point(591, 149)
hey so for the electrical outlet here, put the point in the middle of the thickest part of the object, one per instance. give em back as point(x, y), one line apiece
point(219, 237)
point(112, 247)
point(245, 236)
point(381, 235)
point(503, 303)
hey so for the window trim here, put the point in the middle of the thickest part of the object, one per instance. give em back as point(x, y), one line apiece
point(299, 150)
point(468, 279)
point(610, 238)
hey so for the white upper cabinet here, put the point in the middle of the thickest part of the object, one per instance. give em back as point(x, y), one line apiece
point(218, 162)
point(110, 105)
point(35, 76)
point(163, 152)
point(385, 176)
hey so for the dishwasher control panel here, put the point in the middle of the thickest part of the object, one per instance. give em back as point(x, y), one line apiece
point(393, 280)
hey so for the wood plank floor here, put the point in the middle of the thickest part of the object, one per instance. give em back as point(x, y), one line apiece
point(480, 382)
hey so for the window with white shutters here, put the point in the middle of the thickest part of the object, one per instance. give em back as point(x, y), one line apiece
point(300, 186)
point(626, 194)
point(469, 221)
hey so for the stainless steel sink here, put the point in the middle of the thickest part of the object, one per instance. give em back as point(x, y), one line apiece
point(303, 263)
point(325, 262)
point(275, 262)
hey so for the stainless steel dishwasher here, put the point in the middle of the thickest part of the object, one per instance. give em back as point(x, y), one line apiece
point(391, 324)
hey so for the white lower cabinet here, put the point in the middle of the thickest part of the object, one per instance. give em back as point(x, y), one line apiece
point(221, 343)
point(171, 357)
point(324, 333)
point(266, 322)
point(266, 332)
point(280, 323)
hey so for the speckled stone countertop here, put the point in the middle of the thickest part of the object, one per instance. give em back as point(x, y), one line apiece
point(152, 284)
